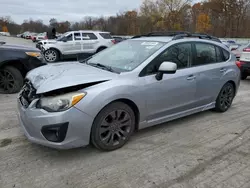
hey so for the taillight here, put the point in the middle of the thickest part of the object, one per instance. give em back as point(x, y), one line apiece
point(239, 63)
point(45, 37)
point(246, 50)
point(114, 42)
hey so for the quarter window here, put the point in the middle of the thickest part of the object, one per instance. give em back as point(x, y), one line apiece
point(219, 57)
point(226, 54)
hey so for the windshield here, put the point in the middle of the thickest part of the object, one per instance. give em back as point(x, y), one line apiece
point(62, 36)
point(126, 56)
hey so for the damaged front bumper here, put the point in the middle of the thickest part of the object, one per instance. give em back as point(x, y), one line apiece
point(61, 130)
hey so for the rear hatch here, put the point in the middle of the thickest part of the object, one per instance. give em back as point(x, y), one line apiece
point(106, 36)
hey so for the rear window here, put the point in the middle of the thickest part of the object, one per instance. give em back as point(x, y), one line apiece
point(106, 35)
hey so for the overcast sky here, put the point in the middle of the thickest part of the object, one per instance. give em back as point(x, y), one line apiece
point(73, 10)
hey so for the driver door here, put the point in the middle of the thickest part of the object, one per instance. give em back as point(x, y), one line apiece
point(68, 45)
point(175, 93)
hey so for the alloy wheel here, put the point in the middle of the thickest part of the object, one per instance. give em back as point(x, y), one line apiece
point(115, 128)
point(7, 81)
point(50, 55)
point(226, 97)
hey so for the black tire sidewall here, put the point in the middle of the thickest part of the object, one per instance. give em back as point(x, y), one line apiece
point(218, 107)
point(95, 138)
point(18, 80)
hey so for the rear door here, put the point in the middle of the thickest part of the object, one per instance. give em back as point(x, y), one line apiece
point(89, 42)
point(210, 66)
point(77, 47)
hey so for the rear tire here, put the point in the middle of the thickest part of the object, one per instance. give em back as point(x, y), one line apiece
point(243, 76)
point(11, 80)
point(225, 98)
point(113, 126)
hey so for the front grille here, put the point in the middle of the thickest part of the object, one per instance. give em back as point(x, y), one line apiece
point(27, 94)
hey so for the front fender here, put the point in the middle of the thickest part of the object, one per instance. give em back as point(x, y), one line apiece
point(97, 99)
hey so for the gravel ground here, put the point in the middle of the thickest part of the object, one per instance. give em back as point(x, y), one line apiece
point(204, 150)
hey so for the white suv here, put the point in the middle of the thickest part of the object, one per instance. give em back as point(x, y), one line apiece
point(75, 43)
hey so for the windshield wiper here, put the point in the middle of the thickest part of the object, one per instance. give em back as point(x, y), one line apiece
point(108, 68)
point(85, 60)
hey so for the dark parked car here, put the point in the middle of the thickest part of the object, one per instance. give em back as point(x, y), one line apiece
point(15, 62)
point(118, 39)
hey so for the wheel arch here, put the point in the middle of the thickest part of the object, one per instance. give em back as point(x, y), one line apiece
point(234, 85)
point(132, 105)
point(101, 47)
point(54, 48)
point(18, 64)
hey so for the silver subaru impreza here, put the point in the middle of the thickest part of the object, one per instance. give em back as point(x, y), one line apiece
point(135, 84)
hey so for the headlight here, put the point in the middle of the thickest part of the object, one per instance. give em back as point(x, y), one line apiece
point(61, 102)
point(34, 54)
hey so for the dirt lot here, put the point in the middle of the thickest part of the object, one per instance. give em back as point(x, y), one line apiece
point(203, 150)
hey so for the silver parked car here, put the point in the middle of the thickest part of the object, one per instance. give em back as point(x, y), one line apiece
point(135, 84)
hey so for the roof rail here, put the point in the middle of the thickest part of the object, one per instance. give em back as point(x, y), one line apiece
point(197, 35)
point(162, 33)
point(179, 35)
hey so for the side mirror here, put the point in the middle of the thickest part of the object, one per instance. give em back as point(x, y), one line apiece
point(166, 68)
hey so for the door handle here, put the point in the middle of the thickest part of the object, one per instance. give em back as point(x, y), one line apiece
point(223, 70)
point(191, 77)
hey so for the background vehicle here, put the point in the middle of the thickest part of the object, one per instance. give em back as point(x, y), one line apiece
point(73, 43)
point(41, 36)
point(15, 62)
point(135, 84)
point(238, 51)
point(33, 36)
point(5, 34)
point(25, 34)
point(118, 39)
point(243, 55)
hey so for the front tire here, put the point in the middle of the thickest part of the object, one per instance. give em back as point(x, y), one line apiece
point(113, 126)
point(225, 98)
point(11, 80)
point(51, 55)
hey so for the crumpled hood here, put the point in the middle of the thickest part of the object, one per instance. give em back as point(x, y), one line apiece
point(61, 75)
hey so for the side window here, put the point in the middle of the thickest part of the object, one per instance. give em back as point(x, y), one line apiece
point(88, 36)
point(219, 57)
point(205, 54)
point(226, 55)
point(77, 36)
point(69, 37)
point(179, 54)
